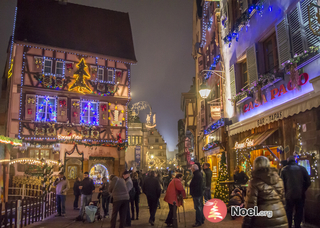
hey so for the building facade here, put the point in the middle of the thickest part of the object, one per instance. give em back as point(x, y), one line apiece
point(271, 54)
point(68, 86)
point(137, 146)
point(157, 150)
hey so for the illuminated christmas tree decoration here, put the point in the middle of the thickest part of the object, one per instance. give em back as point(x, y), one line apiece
point(10, 70)
point(81, 74)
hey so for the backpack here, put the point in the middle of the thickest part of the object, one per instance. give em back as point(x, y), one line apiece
point(132, 193)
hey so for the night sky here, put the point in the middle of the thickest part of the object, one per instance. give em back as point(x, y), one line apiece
point(162, 35)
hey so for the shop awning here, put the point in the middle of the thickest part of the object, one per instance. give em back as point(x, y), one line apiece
point(254, 139)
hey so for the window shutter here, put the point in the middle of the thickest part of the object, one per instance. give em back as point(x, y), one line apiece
point(283, 43)
point(75, 111)
point(297, 33)
point(232, 81)
point(244, 6)
point(311, 39)
point(62, 114)
point(103, 112)
point(252, 64)
point(30, 107)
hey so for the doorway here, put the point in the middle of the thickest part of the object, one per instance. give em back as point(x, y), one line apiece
point(73, 170)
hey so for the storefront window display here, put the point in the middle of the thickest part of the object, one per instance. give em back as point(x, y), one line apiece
point(97, 172)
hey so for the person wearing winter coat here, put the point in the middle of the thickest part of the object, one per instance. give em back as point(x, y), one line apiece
point(296, 182)
point(174, 189)
point(76, 193)
point(208, 177)
point(105, 196)
point(152, 189)
point(136, 200)
point(239, 176)
point(129, 184)
point(196, 191)
point(87, 189)
point(62, 186)
point(120, 194)
point(266, 191)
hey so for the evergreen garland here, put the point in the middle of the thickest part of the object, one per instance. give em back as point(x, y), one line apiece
point(222, 190)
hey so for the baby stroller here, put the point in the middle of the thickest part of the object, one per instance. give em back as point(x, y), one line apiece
point(92, 212)
point(236, 199)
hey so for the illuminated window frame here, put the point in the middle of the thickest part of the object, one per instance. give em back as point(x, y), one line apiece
point(87, 114)
point(47, 67)
point(53, 115)
point(100, 74)
point(59, 68)
point(110, 76)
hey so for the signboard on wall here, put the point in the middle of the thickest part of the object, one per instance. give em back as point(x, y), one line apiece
point(215, 112)
point(138, 155)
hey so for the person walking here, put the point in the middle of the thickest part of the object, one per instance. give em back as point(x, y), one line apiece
point(208, 177)
point(196, 191)
point(266, 192)
point(136, 200)
point(62, 186)
point(175, 193)
point(131, 191)
point(158, 177)
point(296, 182)
point(87, 189)
point(105, 196)
point(76, 193)
point(120, 198)
point(152, 189)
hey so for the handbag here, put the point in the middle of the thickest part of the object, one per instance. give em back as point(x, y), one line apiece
point(179, 195)
point(111, 198)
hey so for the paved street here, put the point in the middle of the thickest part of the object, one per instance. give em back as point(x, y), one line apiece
point(161, 215)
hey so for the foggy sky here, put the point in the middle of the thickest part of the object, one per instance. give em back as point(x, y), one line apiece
point(162, 35)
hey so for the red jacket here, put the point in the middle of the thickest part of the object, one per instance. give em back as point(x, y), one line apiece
point(175, 187)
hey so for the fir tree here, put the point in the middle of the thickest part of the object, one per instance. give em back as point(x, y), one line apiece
point(81, 74)
point(222, 190)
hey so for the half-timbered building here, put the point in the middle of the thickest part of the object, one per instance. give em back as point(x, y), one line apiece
point(68, 86)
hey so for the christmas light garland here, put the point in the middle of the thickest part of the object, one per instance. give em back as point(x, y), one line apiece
point(214, 126)
point(11, 141)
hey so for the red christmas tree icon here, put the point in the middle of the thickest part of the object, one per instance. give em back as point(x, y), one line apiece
point(214, 212)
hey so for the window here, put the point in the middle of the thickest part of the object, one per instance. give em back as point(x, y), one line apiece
point(47, 66)
point(160, 147)
point(110, 76)
point(140, 139)
point(46, 109)
point(151, 147)
point(133, 140)
point(101, 74)
point(39, 154)
point(244, 74)
point(157, 140)
point(59, 68)
point(137, 140)
point(129, 140)
point(89, 113)
point(270, 54)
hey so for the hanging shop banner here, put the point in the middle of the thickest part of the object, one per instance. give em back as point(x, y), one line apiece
point(138, 155)
point(273, 96)
point(215, 112)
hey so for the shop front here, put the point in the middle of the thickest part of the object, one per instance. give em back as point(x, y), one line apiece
point(279, 120)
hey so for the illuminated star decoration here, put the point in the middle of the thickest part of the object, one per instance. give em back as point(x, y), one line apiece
point(81, 74)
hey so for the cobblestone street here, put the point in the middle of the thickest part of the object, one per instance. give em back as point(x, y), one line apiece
point(69, 220)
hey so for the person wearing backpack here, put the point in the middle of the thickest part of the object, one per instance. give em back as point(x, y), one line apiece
point(132, 193)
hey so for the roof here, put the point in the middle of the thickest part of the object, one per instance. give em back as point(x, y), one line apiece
point(76, 27)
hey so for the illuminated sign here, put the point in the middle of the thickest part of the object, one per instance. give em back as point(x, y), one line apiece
point(275, 93)
point(68, 137)
point(274, 117)
point(247, 143)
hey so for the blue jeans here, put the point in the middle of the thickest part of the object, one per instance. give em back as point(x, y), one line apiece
point(198, 206)
point(85, 200)
point(61, 204)
point(105, 205)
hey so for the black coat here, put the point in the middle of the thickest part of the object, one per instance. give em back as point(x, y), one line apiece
point(208, 173)
point(136, 186)
point(240, 178)
point(196, 189)
point(87, 186)
point(296, 181)
point(76, 190)
point(151, 187)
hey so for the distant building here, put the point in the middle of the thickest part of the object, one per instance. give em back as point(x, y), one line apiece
point(157, 149)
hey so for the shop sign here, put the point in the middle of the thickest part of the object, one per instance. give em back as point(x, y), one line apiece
point(247, 143)
point(275, 93)
point(69, 137)
point(215, 112)
point(274, 117)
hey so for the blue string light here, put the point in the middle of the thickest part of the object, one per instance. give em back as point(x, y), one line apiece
point(214, 126)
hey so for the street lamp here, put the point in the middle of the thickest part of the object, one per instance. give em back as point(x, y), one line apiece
point(152, 156)
point(204, 91)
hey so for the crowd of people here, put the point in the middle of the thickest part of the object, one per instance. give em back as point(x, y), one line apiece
point(268, 189)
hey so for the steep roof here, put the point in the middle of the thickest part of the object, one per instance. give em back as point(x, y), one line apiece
point(75, 27)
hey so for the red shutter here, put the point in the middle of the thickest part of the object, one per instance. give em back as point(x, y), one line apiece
point(30, 107)
point(75, 111)
point(103, 112)
point(62, 109)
